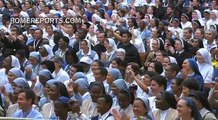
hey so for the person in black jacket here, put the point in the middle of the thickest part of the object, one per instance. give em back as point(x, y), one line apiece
point(132, 54)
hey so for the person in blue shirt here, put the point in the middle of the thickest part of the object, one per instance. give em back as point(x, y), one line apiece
point(25, 100)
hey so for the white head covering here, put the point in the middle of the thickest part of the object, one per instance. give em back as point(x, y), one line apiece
point(15, 62)
point(206, 55)
point(96, 17)
point(172, 60)
point(215, 12)
point(24, 14)
point(198, 13)
point(49, 51)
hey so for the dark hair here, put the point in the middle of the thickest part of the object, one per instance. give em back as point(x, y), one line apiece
point(22, 53)
point(178, 81)
point(65, 39)
point(129, 95)
point(62, 89)
point(129, 34)
point(160, 80)
point(189, 29)
point(103, 71)
point(78, 67)
point(117, 60)
point(71, 52)
point(151, 73)
point(101, 31)
point(169, 98)
point(134, 22)
point(158, 67)
point(191, 104)
point(29, 94)
point(201, 97)
point(100, 63)
point(49, 64)
point(174, 67)
point(192, 84)
point(135, 67)
point(107, 98)
point(99, 84)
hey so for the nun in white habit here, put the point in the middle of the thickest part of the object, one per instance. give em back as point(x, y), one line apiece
point(205, 65)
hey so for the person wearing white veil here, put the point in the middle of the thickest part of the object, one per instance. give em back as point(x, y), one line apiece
point(15, 62)
point(205, 66)
point(86, 50)
point(137, 41)
point(196, 15)
point(46, 52)
point(110, 53)
point(213, 18)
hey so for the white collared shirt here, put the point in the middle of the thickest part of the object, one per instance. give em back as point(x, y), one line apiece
point(106, 116)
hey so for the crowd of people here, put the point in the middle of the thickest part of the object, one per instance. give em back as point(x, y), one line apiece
point(126, 59)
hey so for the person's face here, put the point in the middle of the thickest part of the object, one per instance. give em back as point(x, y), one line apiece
point(139, 108)
point(109, 78)
point(175, 24)
point(62, 43)
point(194, 16)
point(11, 77)
point(206, 15)
point(83, 45)
point(49, 29)
point(194, 26)
point(98, 76)
point(152, 22)
point(154, 33)
point(33, 61)
point(150, 10)
point(151, 67)
point(27, 5)
point(160, 102)
point(186, 65)
point(183, 19)
point(115, 89)
point(166, 61)
point(174, 86)
point(123, 101)
point(37, 35)
point(53, 92)
point(168, 72)
point(43, 51)
point(186, 91)
point(213, 16)
point(186, 34)
point(169, 11)
point(95, 92)
point(159, 57)
point(94, 66)
point(23, 102)
point(73, 70)
point(209, 36)
point(126, 38)
point(183, 109)
point(178, 45)
point(59, 108)
point(155, 45)
point(43, 80)
point(70, 29)
point(70, 59)
point(114, 64)
point(130, 23)
point(147, 80)
point(198, 34)
point(155, 87)
point(199, 57)
point(7, 62)
point(102, 106)
point(91, 29)
point(106, 45)
point(195, 3)
point(120, 55)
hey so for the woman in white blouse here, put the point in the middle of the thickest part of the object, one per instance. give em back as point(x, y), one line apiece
point(205, 66)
